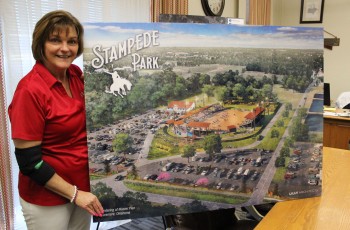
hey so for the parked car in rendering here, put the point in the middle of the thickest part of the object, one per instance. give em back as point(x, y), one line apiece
point(290, 175)
point(119, 178)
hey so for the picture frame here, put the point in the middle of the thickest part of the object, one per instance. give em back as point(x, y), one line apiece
point(311, 11)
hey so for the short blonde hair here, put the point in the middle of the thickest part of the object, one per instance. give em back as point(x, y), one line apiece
point(48, 24)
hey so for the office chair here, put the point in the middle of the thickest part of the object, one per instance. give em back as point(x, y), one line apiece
point(223, 219)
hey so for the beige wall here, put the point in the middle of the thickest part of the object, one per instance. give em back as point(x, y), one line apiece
point(336, 19)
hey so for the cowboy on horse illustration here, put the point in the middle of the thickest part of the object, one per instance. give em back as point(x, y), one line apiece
point(119, 85)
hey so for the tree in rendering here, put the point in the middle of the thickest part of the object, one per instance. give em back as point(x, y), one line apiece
point(136, 199)
point(133, 173)
point(280, 161)
point(239, 92)
point(194, 206)
point(208, 90)
point(299, 130)
point(122, 143)
point(222, 93)
point(102, 191)
point(212, 144)
point(188, 151)
point(285, 151)
point(275, 133)
point(107, 166)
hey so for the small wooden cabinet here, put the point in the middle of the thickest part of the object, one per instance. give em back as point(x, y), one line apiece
point(336, 132)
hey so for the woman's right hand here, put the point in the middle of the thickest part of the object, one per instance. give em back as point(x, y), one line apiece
point(89, 202)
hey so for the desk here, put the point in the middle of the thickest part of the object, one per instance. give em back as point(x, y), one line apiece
point(330, 211)
point(336, 132)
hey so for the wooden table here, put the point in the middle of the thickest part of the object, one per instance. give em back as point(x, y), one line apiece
point(330, 211)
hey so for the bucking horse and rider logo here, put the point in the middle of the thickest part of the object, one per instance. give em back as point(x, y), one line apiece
point(120, 85)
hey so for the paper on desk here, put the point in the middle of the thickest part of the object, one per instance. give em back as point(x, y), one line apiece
point(344, 114)
point(329, 113)
point(329, 109)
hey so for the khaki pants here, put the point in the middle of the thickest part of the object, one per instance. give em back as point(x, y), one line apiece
point(60, 217)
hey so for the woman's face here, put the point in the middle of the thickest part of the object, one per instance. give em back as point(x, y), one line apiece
point(61, 49)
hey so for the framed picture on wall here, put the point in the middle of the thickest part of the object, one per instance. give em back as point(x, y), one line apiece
point(311, 11)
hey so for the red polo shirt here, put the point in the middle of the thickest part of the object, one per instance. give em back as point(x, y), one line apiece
point(42, 110)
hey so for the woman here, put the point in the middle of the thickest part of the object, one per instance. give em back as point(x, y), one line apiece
point(47, 117)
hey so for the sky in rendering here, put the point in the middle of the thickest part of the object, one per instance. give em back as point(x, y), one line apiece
point(208, 35)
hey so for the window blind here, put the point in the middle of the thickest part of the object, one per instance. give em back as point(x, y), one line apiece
point(17, 21)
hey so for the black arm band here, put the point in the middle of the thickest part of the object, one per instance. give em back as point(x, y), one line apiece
point(31, 164)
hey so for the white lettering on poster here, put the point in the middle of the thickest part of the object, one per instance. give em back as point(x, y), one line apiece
point(105, 55)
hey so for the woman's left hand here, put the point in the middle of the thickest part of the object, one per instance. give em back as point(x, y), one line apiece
point(89, 202)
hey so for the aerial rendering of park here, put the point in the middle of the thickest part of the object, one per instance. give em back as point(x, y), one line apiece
point(209, 128)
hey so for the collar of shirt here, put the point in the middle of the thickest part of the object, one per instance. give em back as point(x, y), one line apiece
point(46, 75)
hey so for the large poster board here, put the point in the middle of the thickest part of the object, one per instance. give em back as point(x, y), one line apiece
point(189, 117)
